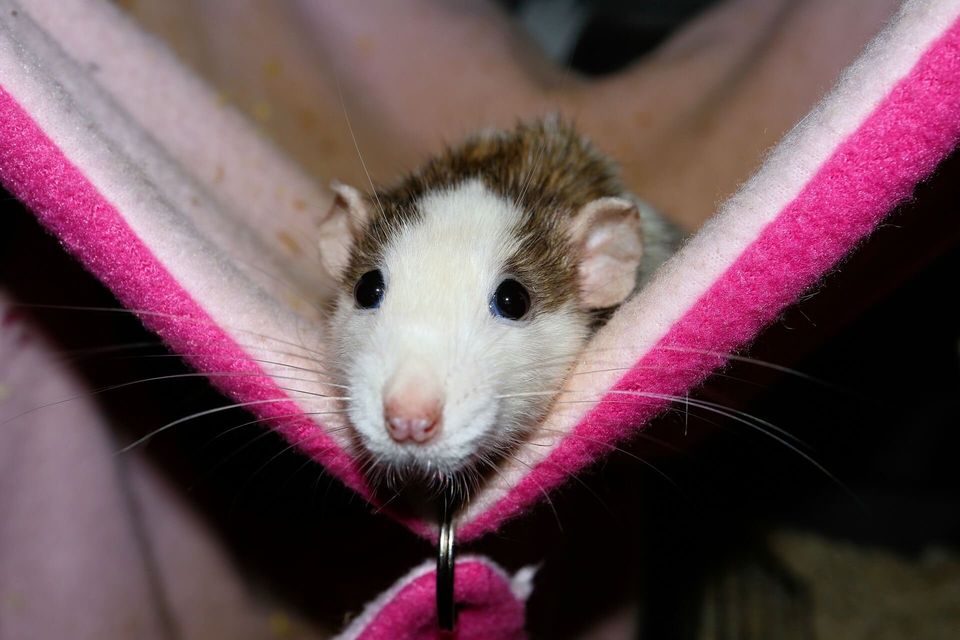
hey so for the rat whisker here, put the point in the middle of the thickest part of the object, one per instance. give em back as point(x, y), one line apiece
point(775, 434)
point(161, 356)
point(614, 447)
point(729, 412)
point(543, 491)
point(754, 361)
point(290, 286)
point(527, 394)
point(383, 505)
point(265, 433)
point(148, 313)
point(356, 145)
point(274, 457)
point(567, 472)
point(717, 374)
point(200, 414)
point(279, 417)
point(174, 376)
point(70, 355)
point(588, 351)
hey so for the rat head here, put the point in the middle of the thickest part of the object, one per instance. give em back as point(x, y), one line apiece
point(459, 313)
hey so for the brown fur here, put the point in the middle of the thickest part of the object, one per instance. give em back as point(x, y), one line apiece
point(545, 166)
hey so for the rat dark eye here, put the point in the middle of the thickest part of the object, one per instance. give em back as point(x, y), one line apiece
point(369, 290)
point(510, 300)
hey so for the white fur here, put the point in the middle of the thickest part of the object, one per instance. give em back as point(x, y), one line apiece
point(435, 322)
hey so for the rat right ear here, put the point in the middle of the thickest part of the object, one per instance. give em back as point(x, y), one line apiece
point(341, 227)
point(609, 236)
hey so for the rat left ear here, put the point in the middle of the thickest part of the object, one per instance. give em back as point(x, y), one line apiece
point(608, 233)
point(341, 227)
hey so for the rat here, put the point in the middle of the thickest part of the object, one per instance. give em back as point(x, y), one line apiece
point(467, 289)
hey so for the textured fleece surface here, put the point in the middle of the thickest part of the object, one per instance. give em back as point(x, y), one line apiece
point(79, 528)
point(96, 186)
point(489, 605)
point(146, 208)
point(144, 243)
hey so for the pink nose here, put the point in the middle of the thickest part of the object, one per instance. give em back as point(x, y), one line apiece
point(414, 419)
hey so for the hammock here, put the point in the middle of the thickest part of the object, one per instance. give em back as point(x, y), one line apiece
point(160, 191)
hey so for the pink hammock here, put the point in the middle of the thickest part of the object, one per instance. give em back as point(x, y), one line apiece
point(136, 191)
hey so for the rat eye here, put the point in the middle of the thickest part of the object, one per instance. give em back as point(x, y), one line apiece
point(510, 300)
point(369, 290)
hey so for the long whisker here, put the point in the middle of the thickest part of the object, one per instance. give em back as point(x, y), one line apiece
point(758, 426)
point(387, 502)
point(717, 374)
point(290, 287)
point(546, 495)
point(172, 316)
point(258, 360)
point(298, 443)
point(566, 472)
point(755, 362)
point(718, 409)
point(589, 351)
point(264, 434)
point(686, 400)
point(77, 354)
point(729, 412)
point(346, 116)
point(175, 376)
point(279, 417)
point(614, 447)
point(193, 416)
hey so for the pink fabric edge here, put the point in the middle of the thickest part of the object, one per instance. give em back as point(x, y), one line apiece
point(488, 606)
point(67, 204)
point(874, 169)
point(833, 212)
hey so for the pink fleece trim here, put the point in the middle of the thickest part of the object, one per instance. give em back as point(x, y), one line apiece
point(486, 605)
point(91, 228)
point(895, 148)
point(876, 167)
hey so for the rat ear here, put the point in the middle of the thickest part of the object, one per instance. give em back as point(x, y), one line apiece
point(341, 227)
point(608, 234)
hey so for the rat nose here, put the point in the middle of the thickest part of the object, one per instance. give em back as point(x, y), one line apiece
point(412, 418)
point(412, 405)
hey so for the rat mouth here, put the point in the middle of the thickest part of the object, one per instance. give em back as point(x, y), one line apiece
point(457, 461)
point(416, 473)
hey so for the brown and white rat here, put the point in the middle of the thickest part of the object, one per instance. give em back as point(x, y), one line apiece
point(467, 290)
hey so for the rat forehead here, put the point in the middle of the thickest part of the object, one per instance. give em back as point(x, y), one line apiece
point(459, 231)
point(469, 234)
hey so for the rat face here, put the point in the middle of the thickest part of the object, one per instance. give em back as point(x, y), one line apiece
point(449, 340)
point(466, 291)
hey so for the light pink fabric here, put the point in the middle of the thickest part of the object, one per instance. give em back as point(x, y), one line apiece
point(90, 227)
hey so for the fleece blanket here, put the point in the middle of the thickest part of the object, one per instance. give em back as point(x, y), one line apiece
point(204, 228)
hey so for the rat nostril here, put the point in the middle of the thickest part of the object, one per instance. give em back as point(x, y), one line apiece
point(398, 428)
point(412, 421)
point(425, 429)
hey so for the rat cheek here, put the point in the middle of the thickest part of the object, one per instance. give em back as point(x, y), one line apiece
point(361, 403)
point(365, 381)
point(469, 418)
